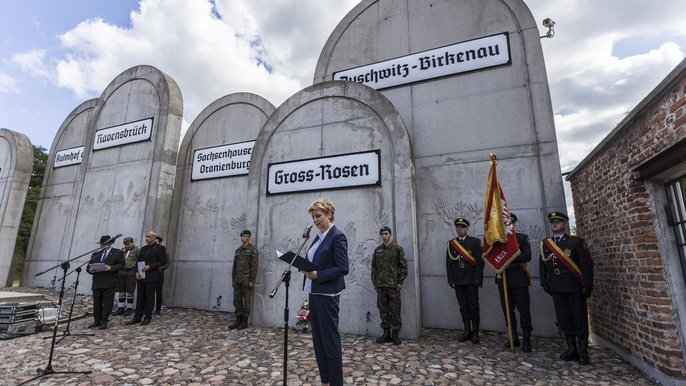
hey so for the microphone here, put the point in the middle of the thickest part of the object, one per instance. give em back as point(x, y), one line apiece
point(306, 234)
point(111, 240)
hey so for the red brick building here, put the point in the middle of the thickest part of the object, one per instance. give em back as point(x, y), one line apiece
point(629, 200)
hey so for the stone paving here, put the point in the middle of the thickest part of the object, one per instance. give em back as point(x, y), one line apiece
point(191, 347)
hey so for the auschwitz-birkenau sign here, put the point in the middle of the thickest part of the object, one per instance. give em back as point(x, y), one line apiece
point(222, 161)
point(68, 157)
point(123, 134)
point(457, 58)
point(341, 171)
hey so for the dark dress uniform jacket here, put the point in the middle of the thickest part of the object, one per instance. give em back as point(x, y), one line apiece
point(109, 279)
point(517, 277)
point(556, 276)
point(155, 256)
point(465, 274)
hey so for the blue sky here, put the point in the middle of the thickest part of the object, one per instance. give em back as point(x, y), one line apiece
point(605, 56)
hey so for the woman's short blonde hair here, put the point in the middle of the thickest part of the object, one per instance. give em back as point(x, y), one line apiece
point(323, 204)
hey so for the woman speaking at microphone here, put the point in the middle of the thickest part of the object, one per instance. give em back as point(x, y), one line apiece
point(329, 252)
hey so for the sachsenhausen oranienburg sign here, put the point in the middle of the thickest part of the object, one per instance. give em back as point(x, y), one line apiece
point(222, 161)
point(68, 157)
point(123, 134)
point(341, 171)
point(472, 55)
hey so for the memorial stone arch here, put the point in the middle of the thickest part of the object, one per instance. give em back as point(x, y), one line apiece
point(323, 130)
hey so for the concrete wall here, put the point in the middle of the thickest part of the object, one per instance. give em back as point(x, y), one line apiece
point(638, 306)
point(454, 122)
point(16, 165)
point(48, 244)
point(326, 119)
point(209, 214)
point(125, 189)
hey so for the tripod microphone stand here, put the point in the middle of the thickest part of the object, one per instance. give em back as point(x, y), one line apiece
point(286, 278)
point(48, 370)
point(66, 332)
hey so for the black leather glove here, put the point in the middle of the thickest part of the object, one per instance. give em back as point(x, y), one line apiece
point(586, 292)
point(546, 288)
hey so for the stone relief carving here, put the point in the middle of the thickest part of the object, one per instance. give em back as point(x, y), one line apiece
point(472, 211)
point(135, 201)
point(210, 206)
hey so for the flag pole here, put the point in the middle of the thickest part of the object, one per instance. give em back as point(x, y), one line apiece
point(510, 338)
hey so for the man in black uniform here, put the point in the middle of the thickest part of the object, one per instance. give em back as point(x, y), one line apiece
point(104, 266)
point(151, 258)
point(518, 282)
point(465, 268)
point(566, 270)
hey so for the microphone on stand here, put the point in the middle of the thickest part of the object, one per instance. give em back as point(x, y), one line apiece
point(111, 240)
point(306, 234)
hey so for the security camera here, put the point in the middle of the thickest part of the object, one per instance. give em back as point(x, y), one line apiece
point(548, 22)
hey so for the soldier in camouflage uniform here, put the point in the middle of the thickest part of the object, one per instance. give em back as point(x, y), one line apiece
point(389, 270)
point(243, 275)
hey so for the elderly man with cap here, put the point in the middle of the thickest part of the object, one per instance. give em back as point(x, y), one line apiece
point(104, 266)
point(566, 271)
point(465, 269)
point(127, 278)
point(150, 258)
point(518, 282)
point(389, 270)
point(243, 276)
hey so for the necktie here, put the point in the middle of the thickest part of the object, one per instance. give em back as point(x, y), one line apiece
point(557, 239)
point(104, 256)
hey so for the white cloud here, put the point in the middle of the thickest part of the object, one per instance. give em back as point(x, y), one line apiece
point(33, 62)
point(7, 84)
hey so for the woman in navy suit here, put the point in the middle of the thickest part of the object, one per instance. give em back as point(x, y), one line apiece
point(329, 252)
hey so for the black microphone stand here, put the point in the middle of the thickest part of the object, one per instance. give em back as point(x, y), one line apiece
point(48, 370)
point(66, 332)
point(286, 278)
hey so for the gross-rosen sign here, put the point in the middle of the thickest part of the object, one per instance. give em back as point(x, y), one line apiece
point(477, 54)
point(222, 161)
point(123, 134)
point(68, 157)
point(341, 171)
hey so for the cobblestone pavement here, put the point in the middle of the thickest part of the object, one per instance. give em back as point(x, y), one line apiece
point(191, 347)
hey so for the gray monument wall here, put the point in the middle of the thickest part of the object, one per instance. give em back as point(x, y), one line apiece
point(127, 187)
point(208, 214)
point(48, 244)
point(16, 165)
point(455, 121)
point(324, 120)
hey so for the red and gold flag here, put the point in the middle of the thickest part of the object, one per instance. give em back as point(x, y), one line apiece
point(500, 241)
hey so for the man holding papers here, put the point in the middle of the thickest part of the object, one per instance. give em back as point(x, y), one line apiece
point(104, 266)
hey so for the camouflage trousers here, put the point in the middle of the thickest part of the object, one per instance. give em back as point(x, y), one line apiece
point(388, 302)
point(242, 299)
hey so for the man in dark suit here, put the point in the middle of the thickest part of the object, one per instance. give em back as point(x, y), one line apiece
point(465, 270)
point(104, 266)
point(518, 282)
point(329, 252)
point(150, 259)
point(566, 271)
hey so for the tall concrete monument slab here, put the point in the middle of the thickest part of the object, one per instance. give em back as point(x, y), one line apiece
point(346, 142)
point(124, 183)
point(55, 209)
point(468, 79)
point(211, 199)
point(16, 165)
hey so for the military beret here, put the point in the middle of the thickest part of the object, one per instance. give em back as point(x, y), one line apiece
point(159, 239)
point(513, 217)
point(385, 229)
point(128, 239)
point(462, 221)
point(246, 232)
point(557, 216)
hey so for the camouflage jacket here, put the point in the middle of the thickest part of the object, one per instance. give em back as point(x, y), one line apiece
point(389, 266)
point(131, 258)
point(245, 263)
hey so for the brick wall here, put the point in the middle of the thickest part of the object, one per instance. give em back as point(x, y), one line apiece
point(631, 306)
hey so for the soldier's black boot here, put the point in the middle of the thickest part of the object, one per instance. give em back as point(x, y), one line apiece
point(475, 332)
point(583, 352)
point(386, 337)
point(571, 353)
point(395, 337)
point(236, 323)
point(467, 334)
point(526, 341)
point(244, 323)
